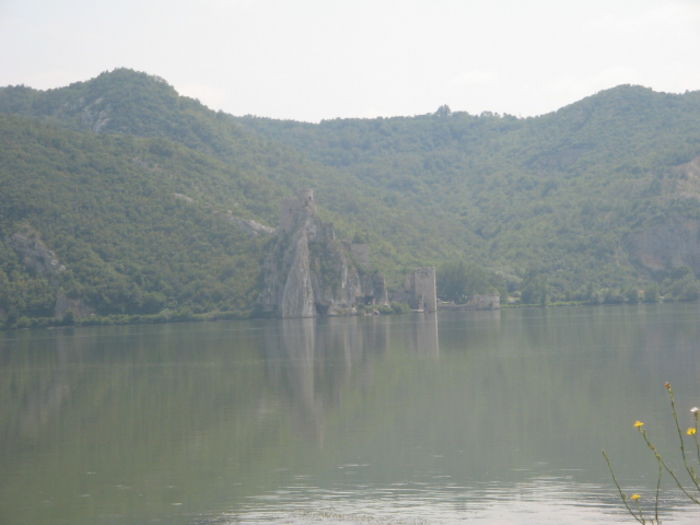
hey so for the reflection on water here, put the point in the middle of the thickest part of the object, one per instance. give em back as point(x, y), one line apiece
point(316, 362)
point(494, 417)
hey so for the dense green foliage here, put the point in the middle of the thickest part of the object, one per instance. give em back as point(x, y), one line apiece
point(140, 225)
point(547, 201)
point(457, 281)
point(130, 185)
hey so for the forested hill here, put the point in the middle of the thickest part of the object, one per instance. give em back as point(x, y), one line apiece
point(126, 102)
point(137, 194)
point(115, 224)
point(600, 194)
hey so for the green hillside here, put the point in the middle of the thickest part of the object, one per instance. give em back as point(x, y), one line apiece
point(139, 225)
point(137, 194)
point(127, 102)
point(558, 195)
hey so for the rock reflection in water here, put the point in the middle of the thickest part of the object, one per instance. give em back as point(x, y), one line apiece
point(195, 423)
point(313, 360)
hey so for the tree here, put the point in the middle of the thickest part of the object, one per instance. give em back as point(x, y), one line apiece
point(534, 290)
point(458, 281)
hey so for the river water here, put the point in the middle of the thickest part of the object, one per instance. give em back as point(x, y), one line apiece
point(477, 417)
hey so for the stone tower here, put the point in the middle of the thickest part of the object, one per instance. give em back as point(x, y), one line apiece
point(422, 290)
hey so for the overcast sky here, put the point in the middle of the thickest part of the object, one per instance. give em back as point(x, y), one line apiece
point(320, 59)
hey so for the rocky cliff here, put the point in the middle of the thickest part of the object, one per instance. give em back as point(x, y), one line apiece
point(39, 259)
point(34, 254)
point(309, 272)
point(673, 243)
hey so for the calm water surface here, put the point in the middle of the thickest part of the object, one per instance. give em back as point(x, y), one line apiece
point(480, 417)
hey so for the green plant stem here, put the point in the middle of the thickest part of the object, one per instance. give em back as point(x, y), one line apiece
point(658, 491)
point(688, 468)
point(668, 469)
point(619, 489)
point(641, 513)
point(695, 437)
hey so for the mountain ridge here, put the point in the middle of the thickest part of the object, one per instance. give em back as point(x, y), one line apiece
point(562, 195)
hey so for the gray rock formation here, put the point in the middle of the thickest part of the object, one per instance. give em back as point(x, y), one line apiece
point(670, 244)
point(309, 272)
point(672, 240)
point(94, 115)
point(35, 254)
point(41, 260)
point(250, 226)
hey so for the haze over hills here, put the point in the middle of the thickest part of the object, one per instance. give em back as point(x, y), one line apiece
point(141, 196)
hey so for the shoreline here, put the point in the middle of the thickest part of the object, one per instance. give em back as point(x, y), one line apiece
point(183, 316)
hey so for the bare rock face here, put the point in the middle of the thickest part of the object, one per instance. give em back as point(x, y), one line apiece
point(671, 244)
point(35, 254)
point(252, 227)
point(95, 115)
point(41, 260)
point(309, 272)
point(674, 240)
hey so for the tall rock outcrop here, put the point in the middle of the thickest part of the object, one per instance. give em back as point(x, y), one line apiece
point(309, 272)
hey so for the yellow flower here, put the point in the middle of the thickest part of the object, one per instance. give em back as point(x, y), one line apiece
point(692, 431)
point(638, 424)
point(635, 497)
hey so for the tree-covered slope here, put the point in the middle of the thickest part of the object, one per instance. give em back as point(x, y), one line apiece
point(128, 102)
point(556, 195)
point(129, 184)
point(135, 225)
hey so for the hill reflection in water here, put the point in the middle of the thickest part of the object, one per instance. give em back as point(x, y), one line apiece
point(479, 415)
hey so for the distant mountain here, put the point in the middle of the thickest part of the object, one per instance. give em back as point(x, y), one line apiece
point(142, 195)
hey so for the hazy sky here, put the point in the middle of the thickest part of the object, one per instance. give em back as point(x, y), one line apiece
point(318, 59)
